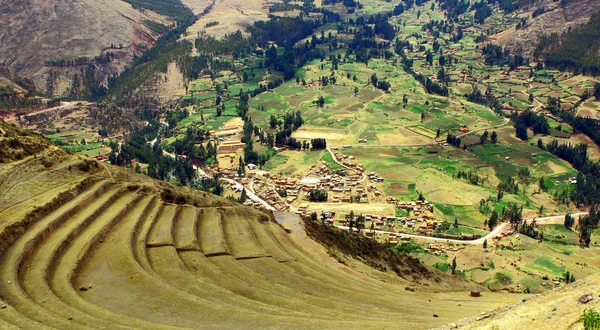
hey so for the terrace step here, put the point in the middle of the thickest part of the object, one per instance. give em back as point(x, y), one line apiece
point(169, 266)
point(14, 262)
point(70, 262)
point(281, 293)
point(210, 232)
point(161, 233)
point(241, 239)
point(266, 239)
point(186, 230)
point(244, 283)
point(46, 256)
point(140, 233)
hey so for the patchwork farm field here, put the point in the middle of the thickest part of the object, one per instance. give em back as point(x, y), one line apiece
point(408, 171)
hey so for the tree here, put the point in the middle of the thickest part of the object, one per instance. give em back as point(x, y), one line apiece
point(453, 266)
point(429, 57)
point(455, 222)
point(243, 196)
point(485, 244)
point(484, 11)
point(273, 121)
point(531, 97)
point(569, 221)
point(585, 236)
point(493, 221)
point(318, 143)
point(522, 132)
point(374, 79)
point(442, 60)
point(542, 184)
point(398, 9)
point(483, 138)
point(597, 91)
point(313, 216)
point(321, 101)
point(494, 137)
point(360, 222)
point(270, 140)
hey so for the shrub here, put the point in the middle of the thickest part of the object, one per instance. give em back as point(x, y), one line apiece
point(590, 319)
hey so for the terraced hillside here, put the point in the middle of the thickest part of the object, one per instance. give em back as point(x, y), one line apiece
point(88, 246)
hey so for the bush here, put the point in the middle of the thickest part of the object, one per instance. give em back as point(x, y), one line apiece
point(590, 319)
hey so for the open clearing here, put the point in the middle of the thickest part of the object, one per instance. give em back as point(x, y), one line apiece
point(232, 15)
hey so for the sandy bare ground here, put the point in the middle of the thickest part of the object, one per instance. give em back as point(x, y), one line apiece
point(197, 6)
point(557, 309)
point(232, 15)
point(172, 84)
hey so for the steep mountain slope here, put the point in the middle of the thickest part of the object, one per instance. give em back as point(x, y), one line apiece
point(555, 19)
point(33, 32)
point(84, 246)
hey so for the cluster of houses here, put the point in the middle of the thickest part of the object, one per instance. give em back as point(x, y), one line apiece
point(229, 147)
point(349, 161)
point(324, 215)
point(438, 249)
point(374, 177)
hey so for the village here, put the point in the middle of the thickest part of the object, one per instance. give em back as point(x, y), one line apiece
point(350, 188)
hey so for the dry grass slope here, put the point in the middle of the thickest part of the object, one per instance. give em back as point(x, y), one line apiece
point(35, 31)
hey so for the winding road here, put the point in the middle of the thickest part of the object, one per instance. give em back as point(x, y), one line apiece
point(250, 194)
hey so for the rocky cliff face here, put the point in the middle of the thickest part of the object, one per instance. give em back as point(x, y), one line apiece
point(555, 19)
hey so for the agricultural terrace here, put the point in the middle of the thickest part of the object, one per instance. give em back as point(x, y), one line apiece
point(109, 237)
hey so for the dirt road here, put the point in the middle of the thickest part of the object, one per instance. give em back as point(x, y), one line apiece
point(555, 219)
point(251, 195)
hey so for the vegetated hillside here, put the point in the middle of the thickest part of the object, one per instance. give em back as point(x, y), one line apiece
point(17, 144)
point(62, 37)
point(12, 82)
point(576, 49)
point(379, 256)
point(555, 19)
point(16, 91)
point(89, 245)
